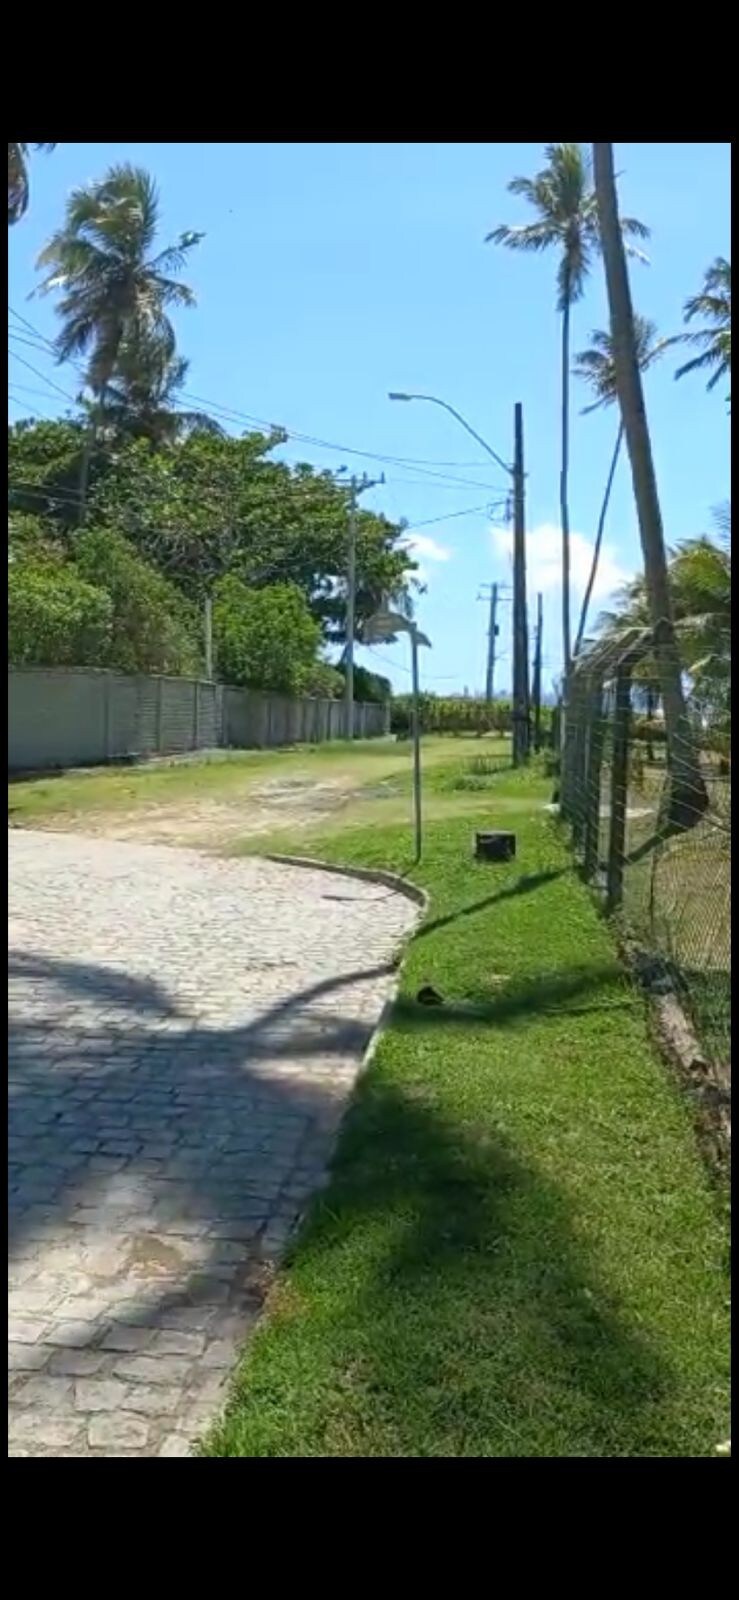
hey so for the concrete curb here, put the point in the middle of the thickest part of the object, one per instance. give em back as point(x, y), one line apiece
point(419, 897)
point(391, 880)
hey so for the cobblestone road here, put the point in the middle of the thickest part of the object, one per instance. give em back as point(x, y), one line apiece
point(184, 1034)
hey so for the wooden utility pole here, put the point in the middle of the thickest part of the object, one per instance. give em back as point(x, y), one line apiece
point(520, 624)
point(536, 686)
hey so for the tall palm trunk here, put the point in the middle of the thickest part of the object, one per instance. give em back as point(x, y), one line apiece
point(564, 506)
point(687, 797)
point(598, 541)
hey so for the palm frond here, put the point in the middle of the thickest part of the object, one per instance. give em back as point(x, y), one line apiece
point(523, 236)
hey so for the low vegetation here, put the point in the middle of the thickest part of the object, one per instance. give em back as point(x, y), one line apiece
point(519, 1252)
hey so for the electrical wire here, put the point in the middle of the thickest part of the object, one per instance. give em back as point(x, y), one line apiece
point(214, 406)
point(64, 392)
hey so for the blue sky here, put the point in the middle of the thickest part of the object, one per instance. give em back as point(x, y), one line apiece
point(332, 273)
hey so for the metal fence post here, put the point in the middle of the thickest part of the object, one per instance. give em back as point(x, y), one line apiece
point(195, 714)
point(619, 790)
point(594, 764)
point(106, 714)
point(159, 716)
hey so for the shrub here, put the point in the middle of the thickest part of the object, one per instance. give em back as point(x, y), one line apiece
point(56, 618)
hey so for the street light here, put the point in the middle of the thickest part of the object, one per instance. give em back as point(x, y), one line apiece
point(520, 630)
point(382, 626)
point(434, 401)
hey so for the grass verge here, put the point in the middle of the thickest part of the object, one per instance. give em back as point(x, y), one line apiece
point(519, 1252)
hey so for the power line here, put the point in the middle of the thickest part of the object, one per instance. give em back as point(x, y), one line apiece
point(431, 677)
point(214, 406)
point(64, 392)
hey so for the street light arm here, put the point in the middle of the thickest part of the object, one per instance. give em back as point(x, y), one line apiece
point(435, 401)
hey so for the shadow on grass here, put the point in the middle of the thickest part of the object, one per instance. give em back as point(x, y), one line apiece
point(540, 995)
point(441, 1302)
point(526, 884)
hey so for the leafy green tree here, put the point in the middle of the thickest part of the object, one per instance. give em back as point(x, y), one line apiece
point(598, 368)
point(563, 196)
point(265, 638)
point(18, 179)
point(152, 628)
point(32, 538)
point(370, 687)
point(44, 466)
point(55, 618)
point(216, 506)
point(323, 681)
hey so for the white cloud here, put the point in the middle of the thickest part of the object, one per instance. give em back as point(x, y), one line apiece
point(544, 561)
point(427, 549)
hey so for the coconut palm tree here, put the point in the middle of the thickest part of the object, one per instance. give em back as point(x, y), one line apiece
point(597, 367)
point(700, 583)
point(563, 196)
point(142, 400)
point(686, 796)
point(18, 179)
point(714, 341)
point(113, 289)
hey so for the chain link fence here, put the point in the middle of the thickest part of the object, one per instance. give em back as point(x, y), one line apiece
point(668, 887)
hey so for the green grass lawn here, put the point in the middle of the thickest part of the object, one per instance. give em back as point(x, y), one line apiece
point(519, 1252)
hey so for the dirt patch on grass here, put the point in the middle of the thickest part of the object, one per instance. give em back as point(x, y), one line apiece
point(212, 823)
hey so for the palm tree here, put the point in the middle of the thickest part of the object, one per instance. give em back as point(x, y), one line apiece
point(700, 583)
point(18, 179)
point(114, 291)
point(686, 795)
point(563, 196)
point(141, 401)
point(597, 367)
point(714, 304)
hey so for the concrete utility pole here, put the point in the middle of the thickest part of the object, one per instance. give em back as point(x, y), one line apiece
point(494, 595)
point(536, 688)
point(492, 635)
point(520, 624)
point(355, 489)
point(520, 627)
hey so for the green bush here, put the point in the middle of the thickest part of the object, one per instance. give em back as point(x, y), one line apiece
point(451, 715)
point(55, 617)
point(265, 638)
point(152, 628)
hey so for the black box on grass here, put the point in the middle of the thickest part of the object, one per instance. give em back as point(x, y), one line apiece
point(495, 846)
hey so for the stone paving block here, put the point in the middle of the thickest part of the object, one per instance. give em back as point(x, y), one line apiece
point(174, 1445)
point(72, 1335)
point(176, 1342)
point(77, 1363)
point(124, 1337)
point(154, 1400)
point(23, 1330)
point(119, 1432)
point(27, 1357)
point(99, 1394)
point(174, 1092)
point(153, 1369)
point(44, 1393)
